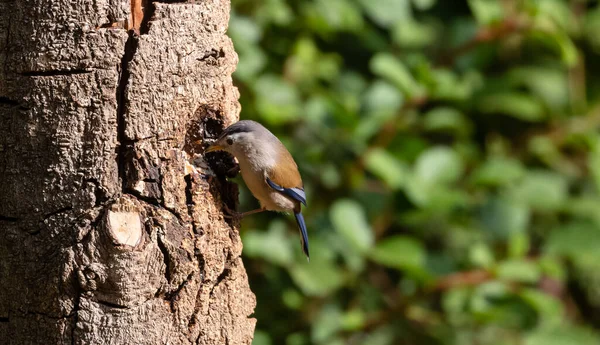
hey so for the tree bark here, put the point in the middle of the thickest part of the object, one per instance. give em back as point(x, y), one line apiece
point(108, 233)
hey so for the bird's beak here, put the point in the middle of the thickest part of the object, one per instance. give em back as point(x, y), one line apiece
point(213, 148)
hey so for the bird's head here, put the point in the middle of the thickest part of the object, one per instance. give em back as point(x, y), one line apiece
point(243, 138)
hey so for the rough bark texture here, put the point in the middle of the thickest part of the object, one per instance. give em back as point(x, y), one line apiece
point(108, 234)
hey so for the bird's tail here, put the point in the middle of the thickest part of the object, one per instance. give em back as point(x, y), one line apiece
point(303, 233)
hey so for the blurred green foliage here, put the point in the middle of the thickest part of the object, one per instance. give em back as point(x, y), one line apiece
point(451, 156)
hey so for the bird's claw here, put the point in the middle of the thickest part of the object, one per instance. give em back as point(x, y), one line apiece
point(231, 214)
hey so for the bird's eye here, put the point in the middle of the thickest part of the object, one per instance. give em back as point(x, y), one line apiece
point(229, 141)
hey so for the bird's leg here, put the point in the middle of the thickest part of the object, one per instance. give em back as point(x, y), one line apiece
point(258, 210)
point(233, 214)
point(230, 213)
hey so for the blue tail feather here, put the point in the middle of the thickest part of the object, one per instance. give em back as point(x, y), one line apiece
point(302, 227)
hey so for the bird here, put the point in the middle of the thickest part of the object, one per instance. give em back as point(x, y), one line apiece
point(268, 170)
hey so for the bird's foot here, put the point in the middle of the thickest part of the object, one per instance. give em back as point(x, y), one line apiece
point(231, 214)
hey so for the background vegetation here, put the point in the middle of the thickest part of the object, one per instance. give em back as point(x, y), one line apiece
point(451, 156)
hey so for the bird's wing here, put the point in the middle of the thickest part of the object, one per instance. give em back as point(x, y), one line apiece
point(296, 193)
point(285, 177)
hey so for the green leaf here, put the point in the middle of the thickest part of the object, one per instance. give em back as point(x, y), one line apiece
point(563, 335)
point(447, 86)
point(317, 278)
point(381, 103)
point(276, 11)
point(454, 303)
point(413, 34)
point(297, 338)
point(382, 97)
point(546, 82)
point(498, 171)
point(326, 16)
point(446, 119)
point(423, 5)
point(292, 299)
point(327, 323)
point(387, 12)
point(273, 245)
point(350, 221)
point(558, 12)
point(519, 105)
point(484, 296)
point(521, 271)
point(261, 338)
point(481, 255)
point(550, 309)
point(503, 217)
point(276, 100)
point(330, 176)
point(401, 252)
point(487, 11)
point(541, 190)
point(243, 29)
point(439, 165)
point(558, 41)
point(387, 167)
point(592, 27)
point(384, 335)
point(518, 245)
point(388, 67)
point(436, 198)
point(353, 320)
point(577, 240)
point(594, 163)
point(252, 61)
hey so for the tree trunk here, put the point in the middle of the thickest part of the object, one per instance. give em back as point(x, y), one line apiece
point(108, 234)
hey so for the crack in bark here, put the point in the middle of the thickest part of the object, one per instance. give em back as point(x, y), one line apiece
point(220, 279)
point(148, 8)
point(8, 101)
point(166, 257)
point(152, 201)
point(111, 304)
point(172, 297)
point(173, 211)
point(9, 219)
point(53, 73)
point(226, 272)
point(37, 313)
point(192, 321)
point(146, 199)
point(214, 54)
point(189, 200)
point(130, 49)
point(112, 25)
point(99, 193)
point(60, 210)
point(75, 311)
point(4, 319)
point(6, 44)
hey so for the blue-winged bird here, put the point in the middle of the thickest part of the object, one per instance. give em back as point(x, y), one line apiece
point(267, 168)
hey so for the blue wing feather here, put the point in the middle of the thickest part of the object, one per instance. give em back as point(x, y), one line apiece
point(303, 232)
point(294, 193)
